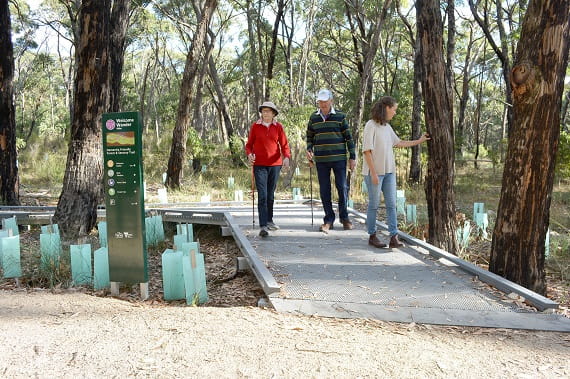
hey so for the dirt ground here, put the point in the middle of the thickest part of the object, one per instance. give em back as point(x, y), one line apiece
point(75, 332)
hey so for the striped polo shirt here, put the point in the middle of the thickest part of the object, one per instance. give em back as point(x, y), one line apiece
point(330, 138)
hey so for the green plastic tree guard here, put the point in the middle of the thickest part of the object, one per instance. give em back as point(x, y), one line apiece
point(186, 229)
point(102, 227)
point(463, 233)
point(154, 230)
point(50, 251)
point(51, 228)
point(11, 257)
point(101, 268)
point(411, 213)
point(401, 202)
point(478, 208)
point(482, 222)
point(12, 224)
point(80, 264)
point(3, 233)
point(159, 227)
point(194, 273)
point(172, 275)
point(150, 233)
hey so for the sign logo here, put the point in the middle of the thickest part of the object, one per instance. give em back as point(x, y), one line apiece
point(110, 124)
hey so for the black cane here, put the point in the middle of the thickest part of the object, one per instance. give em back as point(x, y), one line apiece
point(252, 198)
point(311, 186)
point(348, 178)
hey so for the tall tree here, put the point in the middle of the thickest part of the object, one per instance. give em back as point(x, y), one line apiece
point(119, 25)
point(517, 250)
point(255, 85)
point(370, 41)
point(76, 211)
point(415, 159)
point(487, 21)
point(472, 52)
point(9, 182)
point(281, 4)
point(438, 116)
point(180, 133)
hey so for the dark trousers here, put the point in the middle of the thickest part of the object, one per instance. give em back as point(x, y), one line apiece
point(266, 182)
point(324, 174)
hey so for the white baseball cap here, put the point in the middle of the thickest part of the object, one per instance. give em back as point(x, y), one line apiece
point(324, 95)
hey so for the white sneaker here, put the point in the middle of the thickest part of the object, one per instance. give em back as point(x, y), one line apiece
point(263, 232)
point(272, 226)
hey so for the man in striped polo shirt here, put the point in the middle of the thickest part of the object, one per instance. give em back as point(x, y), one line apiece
point(328, 142)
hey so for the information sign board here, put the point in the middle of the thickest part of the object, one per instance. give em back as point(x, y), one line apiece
point(124, 197)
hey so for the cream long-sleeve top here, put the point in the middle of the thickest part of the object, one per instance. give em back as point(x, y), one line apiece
point(380, 139)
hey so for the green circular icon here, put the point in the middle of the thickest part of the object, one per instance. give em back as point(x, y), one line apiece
point(111, 191)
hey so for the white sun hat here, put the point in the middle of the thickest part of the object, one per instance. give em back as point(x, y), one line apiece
point(270, 105)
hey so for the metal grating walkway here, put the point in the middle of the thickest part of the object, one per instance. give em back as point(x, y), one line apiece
point(339, 275)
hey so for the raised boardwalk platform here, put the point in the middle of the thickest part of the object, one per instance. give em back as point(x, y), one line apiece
point(337, 274)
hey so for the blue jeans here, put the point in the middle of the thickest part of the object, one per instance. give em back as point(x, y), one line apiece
point(265, 182)
point(387, 183)
point(324, 176)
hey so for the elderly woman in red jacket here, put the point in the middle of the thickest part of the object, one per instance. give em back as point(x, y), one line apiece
point(267, 150)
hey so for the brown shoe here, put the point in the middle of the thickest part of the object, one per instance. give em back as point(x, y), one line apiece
point(346, 224)
point(325, 227)
point(395, 242)
point(374, 241)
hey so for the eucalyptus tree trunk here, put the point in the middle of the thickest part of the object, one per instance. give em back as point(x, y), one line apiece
point(464, 92)
point(198, 119)
point(76, 211)
point(254, 62)
point(288, 32)
point(305, 51)
point(119, 25)
point(222, 103)
point(439, 123)
point(518, 246)
point(183, 117)
point(369, 43)
point(415, 161)
point(501, 49)
point(273, 49)
point(9, 181)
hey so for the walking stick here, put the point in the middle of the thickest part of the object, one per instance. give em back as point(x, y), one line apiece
point(252, 198)
point(311, 186)
point(348, 178)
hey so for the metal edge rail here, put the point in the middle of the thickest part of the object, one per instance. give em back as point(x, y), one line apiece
point(259, 269)
point(540, 302)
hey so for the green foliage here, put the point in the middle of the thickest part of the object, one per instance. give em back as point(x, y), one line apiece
point(43, 166)
point(563, 156)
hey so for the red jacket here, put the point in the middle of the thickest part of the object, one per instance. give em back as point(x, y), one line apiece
point(268, 143)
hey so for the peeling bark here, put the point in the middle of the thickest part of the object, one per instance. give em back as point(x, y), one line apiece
point(9, 181)
point(537, 80)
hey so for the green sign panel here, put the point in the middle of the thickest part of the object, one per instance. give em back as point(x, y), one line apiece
point(124, 197)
